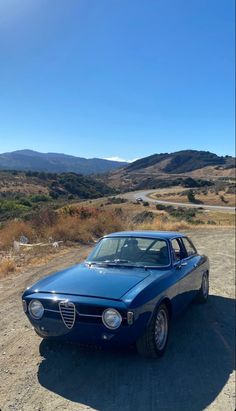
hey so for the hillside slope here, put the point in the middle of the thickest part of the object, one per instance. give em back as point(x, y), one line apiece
point(55, 163)
point(161, 170)
point(180, 161)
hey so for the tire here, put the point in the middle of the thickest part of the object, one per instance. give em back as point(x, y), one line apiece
point(154, 342)
point(203, 293)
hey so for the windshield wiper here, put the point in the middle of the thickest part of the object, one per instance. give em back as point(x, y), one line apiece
point(116, 262)
point(120, 260)
point(95, 263)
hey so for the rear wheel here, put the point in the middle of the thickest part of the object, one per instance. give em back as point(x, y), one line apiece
point(204, 290)
point(153, 343)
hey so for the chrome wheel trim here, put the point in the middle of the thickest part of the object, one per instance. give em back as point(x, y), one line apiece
point(205, 286)
point(161, 329)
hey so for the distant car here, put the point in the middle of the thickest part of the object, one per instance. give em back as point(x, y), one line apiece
point(127, 291)
point(138, 199)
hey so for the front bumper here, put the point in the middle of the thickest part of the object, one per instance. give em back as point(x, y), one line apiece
point(87, 329)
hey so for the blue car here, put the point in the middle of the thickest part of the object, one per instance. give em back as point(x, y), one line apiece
point(126, 292)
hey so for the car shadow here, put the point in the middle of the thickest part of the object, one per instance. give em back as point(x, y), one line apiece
point(193, 371)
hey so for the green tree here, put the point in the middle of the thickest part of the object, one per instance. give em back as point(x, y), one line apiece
point(191, 196)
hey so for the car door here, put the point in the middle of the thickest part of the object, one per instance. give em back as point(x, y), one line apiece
point(194, 261)
point(184, 272)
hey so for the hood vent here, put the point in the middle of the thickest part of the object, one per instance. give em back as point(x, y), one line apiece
point(68, 313)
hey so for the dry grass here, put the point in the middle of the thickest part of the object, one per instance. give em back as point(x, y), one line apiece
point(217, 218)
point(211, 198)
point(7, 266)
point(80, 224)
point(71, 224)
point(165, 226)
point(13, 230)
point(77, 224)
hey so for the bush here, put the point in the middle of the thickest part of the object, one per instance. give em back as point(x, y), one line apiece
point(223, 199)
point(37, 198)
point(191, 196)
point(42, 218)
point(117, 200)
point(160, 207)
point(183, 213)
point(145, 216)
point(12, 209)
point(145, 203)
point(25, 201)
point(83, 229)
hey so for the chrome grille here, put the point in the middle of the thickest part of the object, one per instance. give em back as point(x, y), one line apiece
point(68, 313)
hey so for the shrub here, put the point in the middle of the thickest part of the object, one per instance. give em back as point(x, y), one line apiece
point(84, 229)
point(25, 201)
point(145, 216)
point(223, 199)
point(191, 196)
point(117, 200)
point(37, 198)
point(42, 218)
point(12, 208)
point(160, 207)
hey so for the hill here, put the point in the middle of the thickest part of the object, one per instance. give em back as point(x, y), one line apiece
point(166, 169)
point(55, 163)
point(181, 161)
point(24, 192)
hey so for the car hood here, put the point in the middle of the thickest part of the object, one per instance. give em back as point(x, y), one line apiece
point(95, 281)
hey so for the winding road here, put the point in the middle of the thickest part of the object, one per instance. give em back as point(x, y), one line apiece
point(145, 196)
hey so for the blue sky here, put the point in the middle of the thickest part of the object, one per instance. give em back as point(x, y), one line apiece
point(126, 78)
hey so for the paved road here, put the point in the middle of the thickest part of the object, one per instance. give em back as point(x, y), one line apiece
point(144, 194)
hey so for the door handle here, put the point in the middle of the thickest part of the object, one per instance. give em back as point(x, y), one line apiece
point(195, 265)
point(180, 265)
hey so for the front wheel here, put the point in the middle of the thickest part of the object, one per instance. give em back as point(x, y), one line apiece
point(204, 290)
point(153, 343)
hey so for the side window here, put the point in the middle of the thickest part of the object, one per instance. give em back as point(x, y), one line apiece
point(189, 247)
point(176, 249)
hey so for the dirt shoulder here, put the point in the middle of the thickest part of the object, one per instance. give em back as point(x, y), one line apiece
point(196, 373)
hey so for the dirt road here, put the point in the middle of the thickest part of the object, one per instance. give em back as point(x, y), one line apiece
point(196, 373)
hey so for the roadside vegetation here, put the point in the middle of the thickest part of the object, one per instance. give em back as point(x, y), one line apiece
point(71, 210)
point(23, 193)
point(83, 223)
point(221, 193)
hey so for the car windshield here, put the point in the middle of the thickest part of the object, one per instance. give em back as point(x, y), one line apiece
point(134, 251)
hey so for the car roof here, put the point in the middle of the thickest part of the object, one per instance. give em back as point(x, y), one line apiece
point(147, 234)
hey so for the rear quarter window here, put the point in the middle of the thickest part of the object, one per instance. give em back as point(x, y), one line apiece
point(189, 247)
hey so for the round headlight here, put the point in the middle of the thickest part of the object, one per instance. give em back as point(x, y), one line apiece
point(111, 318)
point(36, 309)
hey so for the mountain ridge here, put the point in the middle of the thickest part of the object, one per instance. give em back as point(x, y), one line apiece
point(24, 160)
point(166, 169)
point(181, 161)
point(178, 162)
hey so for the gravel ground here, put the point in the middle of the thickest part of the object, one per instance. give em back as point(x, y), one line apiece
point(196, 373)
